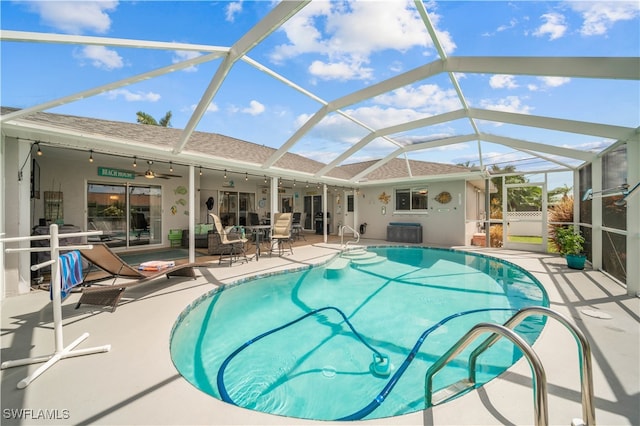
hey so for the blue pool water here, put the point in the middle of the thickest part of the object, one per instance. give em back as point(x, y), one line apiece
point(301, 344)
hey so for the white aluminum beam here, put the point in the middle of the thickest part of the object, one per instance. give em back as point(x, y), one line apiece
point(584, 67)
point(559, 124)
point(415, 147)
point(34, 37)
point(409, 125)
point(541, 147)
point(419, 73)
point(270, 23)
point(110, 86)
point(315, 119)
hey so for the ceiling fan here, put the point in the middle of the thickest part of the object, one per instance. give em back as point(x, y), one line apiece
point(150, 174)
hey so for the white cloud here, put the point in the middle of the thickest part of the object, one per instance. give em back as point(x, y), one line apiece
point(548, 82)
point(508, 104)
point(254, 108)
point(101, 57)
point(75, 17)
point(512, 23)
point(343, 71)
point(211, 108)
point(427, 98)
point(503, 81)
point(185, 55)
point(554, 81)
point(129, 96)
point(401, 105)
point(554, 26)
point(347, 35)
point(233, 8)
point(600, 16)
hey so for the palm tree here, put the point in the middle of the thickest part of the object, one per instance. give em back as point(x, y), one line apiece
point(144, 118)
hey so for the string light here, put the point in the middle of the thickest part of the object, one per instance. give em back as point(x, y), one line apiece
point(265, 178)
point(135, 162)
point(170, 166)
point(200, 172)
point(246, 176)
point(225, 173)
point(39, 150)
point(91, 156)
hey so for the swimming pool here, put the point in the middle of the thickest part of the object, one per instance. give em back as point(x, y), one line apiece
point(304, 343)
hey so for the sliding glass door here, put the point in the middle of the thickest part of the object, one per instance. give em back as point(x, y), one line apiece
point(126, 214)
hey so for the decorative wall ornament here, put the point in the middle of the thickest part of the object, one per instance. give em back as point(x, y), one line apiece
point(384, 197)
point(443, 198)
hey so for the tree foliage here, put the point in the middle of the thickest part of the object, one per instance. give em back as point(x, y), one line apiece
point(144, 118)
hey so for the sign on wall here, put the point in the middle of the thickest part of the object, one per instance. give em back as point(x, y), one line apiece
point(116, 173)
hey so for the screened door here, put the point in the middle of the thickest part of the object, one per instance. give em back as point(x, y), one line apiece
point(524, 213)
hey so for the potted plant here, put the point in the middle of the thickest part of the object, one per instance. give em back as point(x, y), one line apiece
point(570, 244)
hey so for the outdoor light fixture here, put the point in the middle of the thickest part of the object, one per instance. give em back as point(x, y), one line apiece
point(200, 172)
point(39, 150)
point(265, 178)
point(225, 173)
point(91, 156)
point(135, 162)
point(149, 173)
point(246, 176)
point(170, 166)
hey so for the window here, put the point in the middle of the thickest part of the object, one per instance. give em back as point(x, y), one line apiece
point(415, 199)
point(349, 203)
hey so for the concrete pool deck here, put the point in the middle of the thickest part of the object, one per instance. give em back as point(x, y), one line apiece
point(136, 382)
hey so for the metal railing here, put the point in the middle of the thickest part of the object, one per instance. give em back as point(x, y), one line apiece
point(540, 409)
point(539, 379)
point(341, 232)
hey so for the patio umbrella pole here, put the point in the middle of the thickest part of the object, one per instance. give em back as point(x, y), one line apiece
point(61, 352)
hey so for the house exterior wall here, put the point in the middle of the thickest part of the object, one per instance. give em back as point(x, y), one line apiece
point(443, 224)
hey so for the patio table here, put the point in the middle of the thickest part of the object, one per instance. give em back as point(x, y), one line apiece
point(258, 231)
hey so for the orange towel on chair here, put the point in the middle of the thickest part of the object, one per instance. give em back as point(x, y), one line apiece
point(156, 265)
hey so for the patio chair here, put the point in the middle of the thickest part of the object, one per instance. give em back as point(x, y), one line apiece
point(112, 266)
point(139, 224)
point(296, 226)
point(281, 232)
point(233, 247)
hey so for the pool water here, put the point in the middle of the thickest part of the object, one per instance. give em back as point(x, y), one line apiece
point(318, 368)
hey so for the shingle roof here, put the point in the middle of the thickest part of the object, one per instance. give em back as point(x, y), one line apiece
point(214, 145)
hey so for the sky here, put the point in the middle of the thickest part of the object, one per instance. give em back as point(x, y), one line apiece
point(331, 49)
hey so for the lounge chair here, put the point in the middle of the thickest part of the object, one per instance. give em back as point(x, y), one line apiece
point(281, 232)
point(112, 266)
point(233, 248)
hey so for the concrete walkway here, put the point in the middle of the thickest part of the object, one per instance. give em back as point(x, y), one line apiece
point(136, 382)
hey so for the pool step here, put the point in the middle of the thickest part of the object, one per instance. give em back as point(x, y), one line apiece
point(336, 267)
point(369, 260)
point(362, 257)
point(356, 253)
point(455, 389)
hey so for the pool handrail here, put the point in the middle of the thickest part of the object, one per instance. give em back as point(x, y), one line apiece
point(341, 232)
point(539, 378)
point(584, 353)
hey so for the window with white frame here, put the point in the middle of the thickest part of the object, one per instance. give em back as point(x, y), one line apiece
point(412, 199)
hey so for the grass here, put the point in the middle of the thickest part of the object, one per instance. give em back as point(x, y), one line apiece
point(532, 239)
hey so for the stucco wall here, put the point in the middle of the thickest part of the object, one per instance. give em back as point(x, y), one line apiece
point(443, 224)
